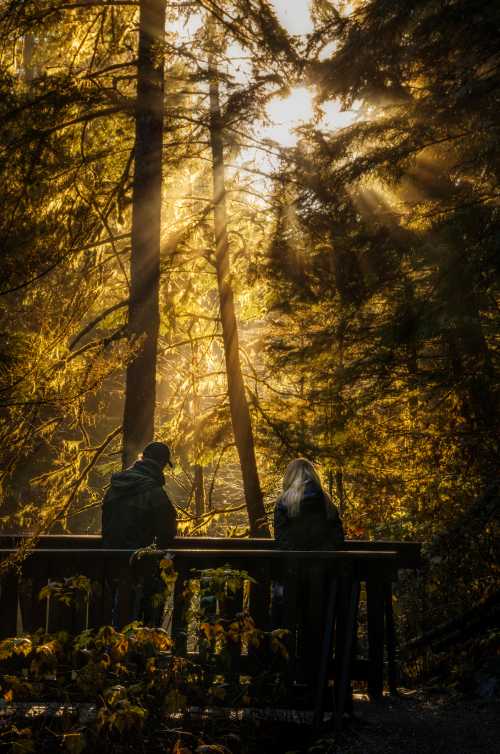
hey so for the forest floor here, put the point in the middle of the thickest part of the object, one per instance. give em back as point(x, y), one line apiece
point(428, 720)
point(421, 722)
point(424, 721)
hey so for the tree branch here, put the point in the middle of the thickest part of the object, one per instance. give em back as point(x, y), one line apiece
point(90, 326)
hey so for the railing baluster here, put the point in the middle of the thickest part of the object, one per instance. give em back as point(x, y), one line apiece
point(260, 595)
point(312, 602)
point(348, 607)
point(392, 668)
point(179, 614)
point(9, 596)
point(229, 607)
point(289, 579)
point(38, 575)
point(376, 635)
point(126, 596)
point(326, 646)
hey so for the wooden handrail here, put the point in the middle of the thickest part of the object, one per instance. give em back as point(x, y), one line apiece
point(201, 553)
point(408, 553)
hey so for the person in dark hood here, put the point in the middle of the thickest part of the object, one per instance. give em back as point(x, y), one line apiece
point(304, 516)
point(136, 510)
point(304, 519)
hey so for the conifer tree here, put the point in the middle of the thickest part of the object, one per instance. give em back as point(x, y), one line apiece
point(240, 414)
point(393, 304)
point(143, 308)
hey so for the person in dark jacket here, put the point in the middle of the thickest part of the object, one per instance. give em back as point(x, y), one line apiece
point(136, 510)
point(304, 519)
point(304, 516)
point(137, 513)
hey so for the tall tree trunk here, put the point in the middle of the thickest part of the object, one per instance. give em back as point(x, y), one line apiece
point(240, 414)
point(28, 53)
point(198, 471)
point(339, 483)
point(199, 490)
point(143, 313)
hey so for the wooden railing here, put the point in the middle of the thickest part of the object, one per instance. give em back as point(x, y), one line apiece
point(320, 606)
point(408, 553)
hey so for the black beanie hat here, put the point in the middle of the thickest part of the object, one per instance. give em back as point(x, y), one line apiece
point(159, 452)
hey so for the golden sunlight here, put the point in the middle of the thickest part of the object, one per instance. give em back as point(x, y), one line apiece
point(288, 113)
point(295, 19)
point(334, 117)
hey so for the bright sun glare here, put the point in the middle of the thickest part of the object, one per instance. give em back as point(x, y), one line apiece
point(290, 112)
point(285, 113)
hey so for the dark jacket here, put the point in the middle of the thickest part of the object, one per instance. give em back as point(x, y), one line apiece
point(136, 509)
point(313, 528)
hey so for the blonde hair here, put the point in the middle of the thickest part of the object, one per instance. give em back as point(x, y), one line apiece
point(297, 474)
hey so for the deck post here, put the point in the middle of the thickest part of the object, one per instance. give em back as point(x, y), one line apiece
point(326, 650)
point(391, 638)
point(376, 636)
point(346, 627)
point(8, 603)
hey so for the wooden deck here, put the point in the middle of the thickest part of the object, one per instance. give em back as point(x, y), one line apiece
point(320, 606)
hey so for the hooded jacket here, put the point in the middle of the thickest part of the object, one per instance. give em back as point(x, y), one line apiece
point(136, 509)
point(317, 527)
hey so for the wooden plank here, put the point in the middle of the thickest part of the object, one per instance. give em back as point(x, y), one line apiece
point(36, 574)
point(375, 606)
point(343, 649)
point(180, 608)
point(259, 608)
point(289, 576)
point(8, 604)
point(326, 649)
point(215, 556)
point(64, 617)
point(408, 553)
point(260, 596)
point(95, 617)
point(229, 607)
point(126, 596)
point(106, 598)
point(391, 639)
point(25, 601)
point(312, 601)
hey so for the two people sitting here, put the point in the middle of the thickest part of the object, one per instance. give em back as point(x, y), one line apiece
point(137, 511)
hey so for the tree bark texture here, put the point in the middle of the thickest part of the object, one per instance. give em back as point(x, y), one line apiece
point(28, 54)
point(240, 414)
point(198, 471)
point(143, 312)
point(199, 490)
point(339, 483)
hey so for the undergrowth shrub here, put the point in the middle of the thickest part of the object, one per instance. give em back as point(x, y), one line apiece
point(119, 690)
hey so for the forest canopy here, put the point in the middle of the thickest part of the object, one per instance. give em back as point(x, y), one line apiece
point(172, 270)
